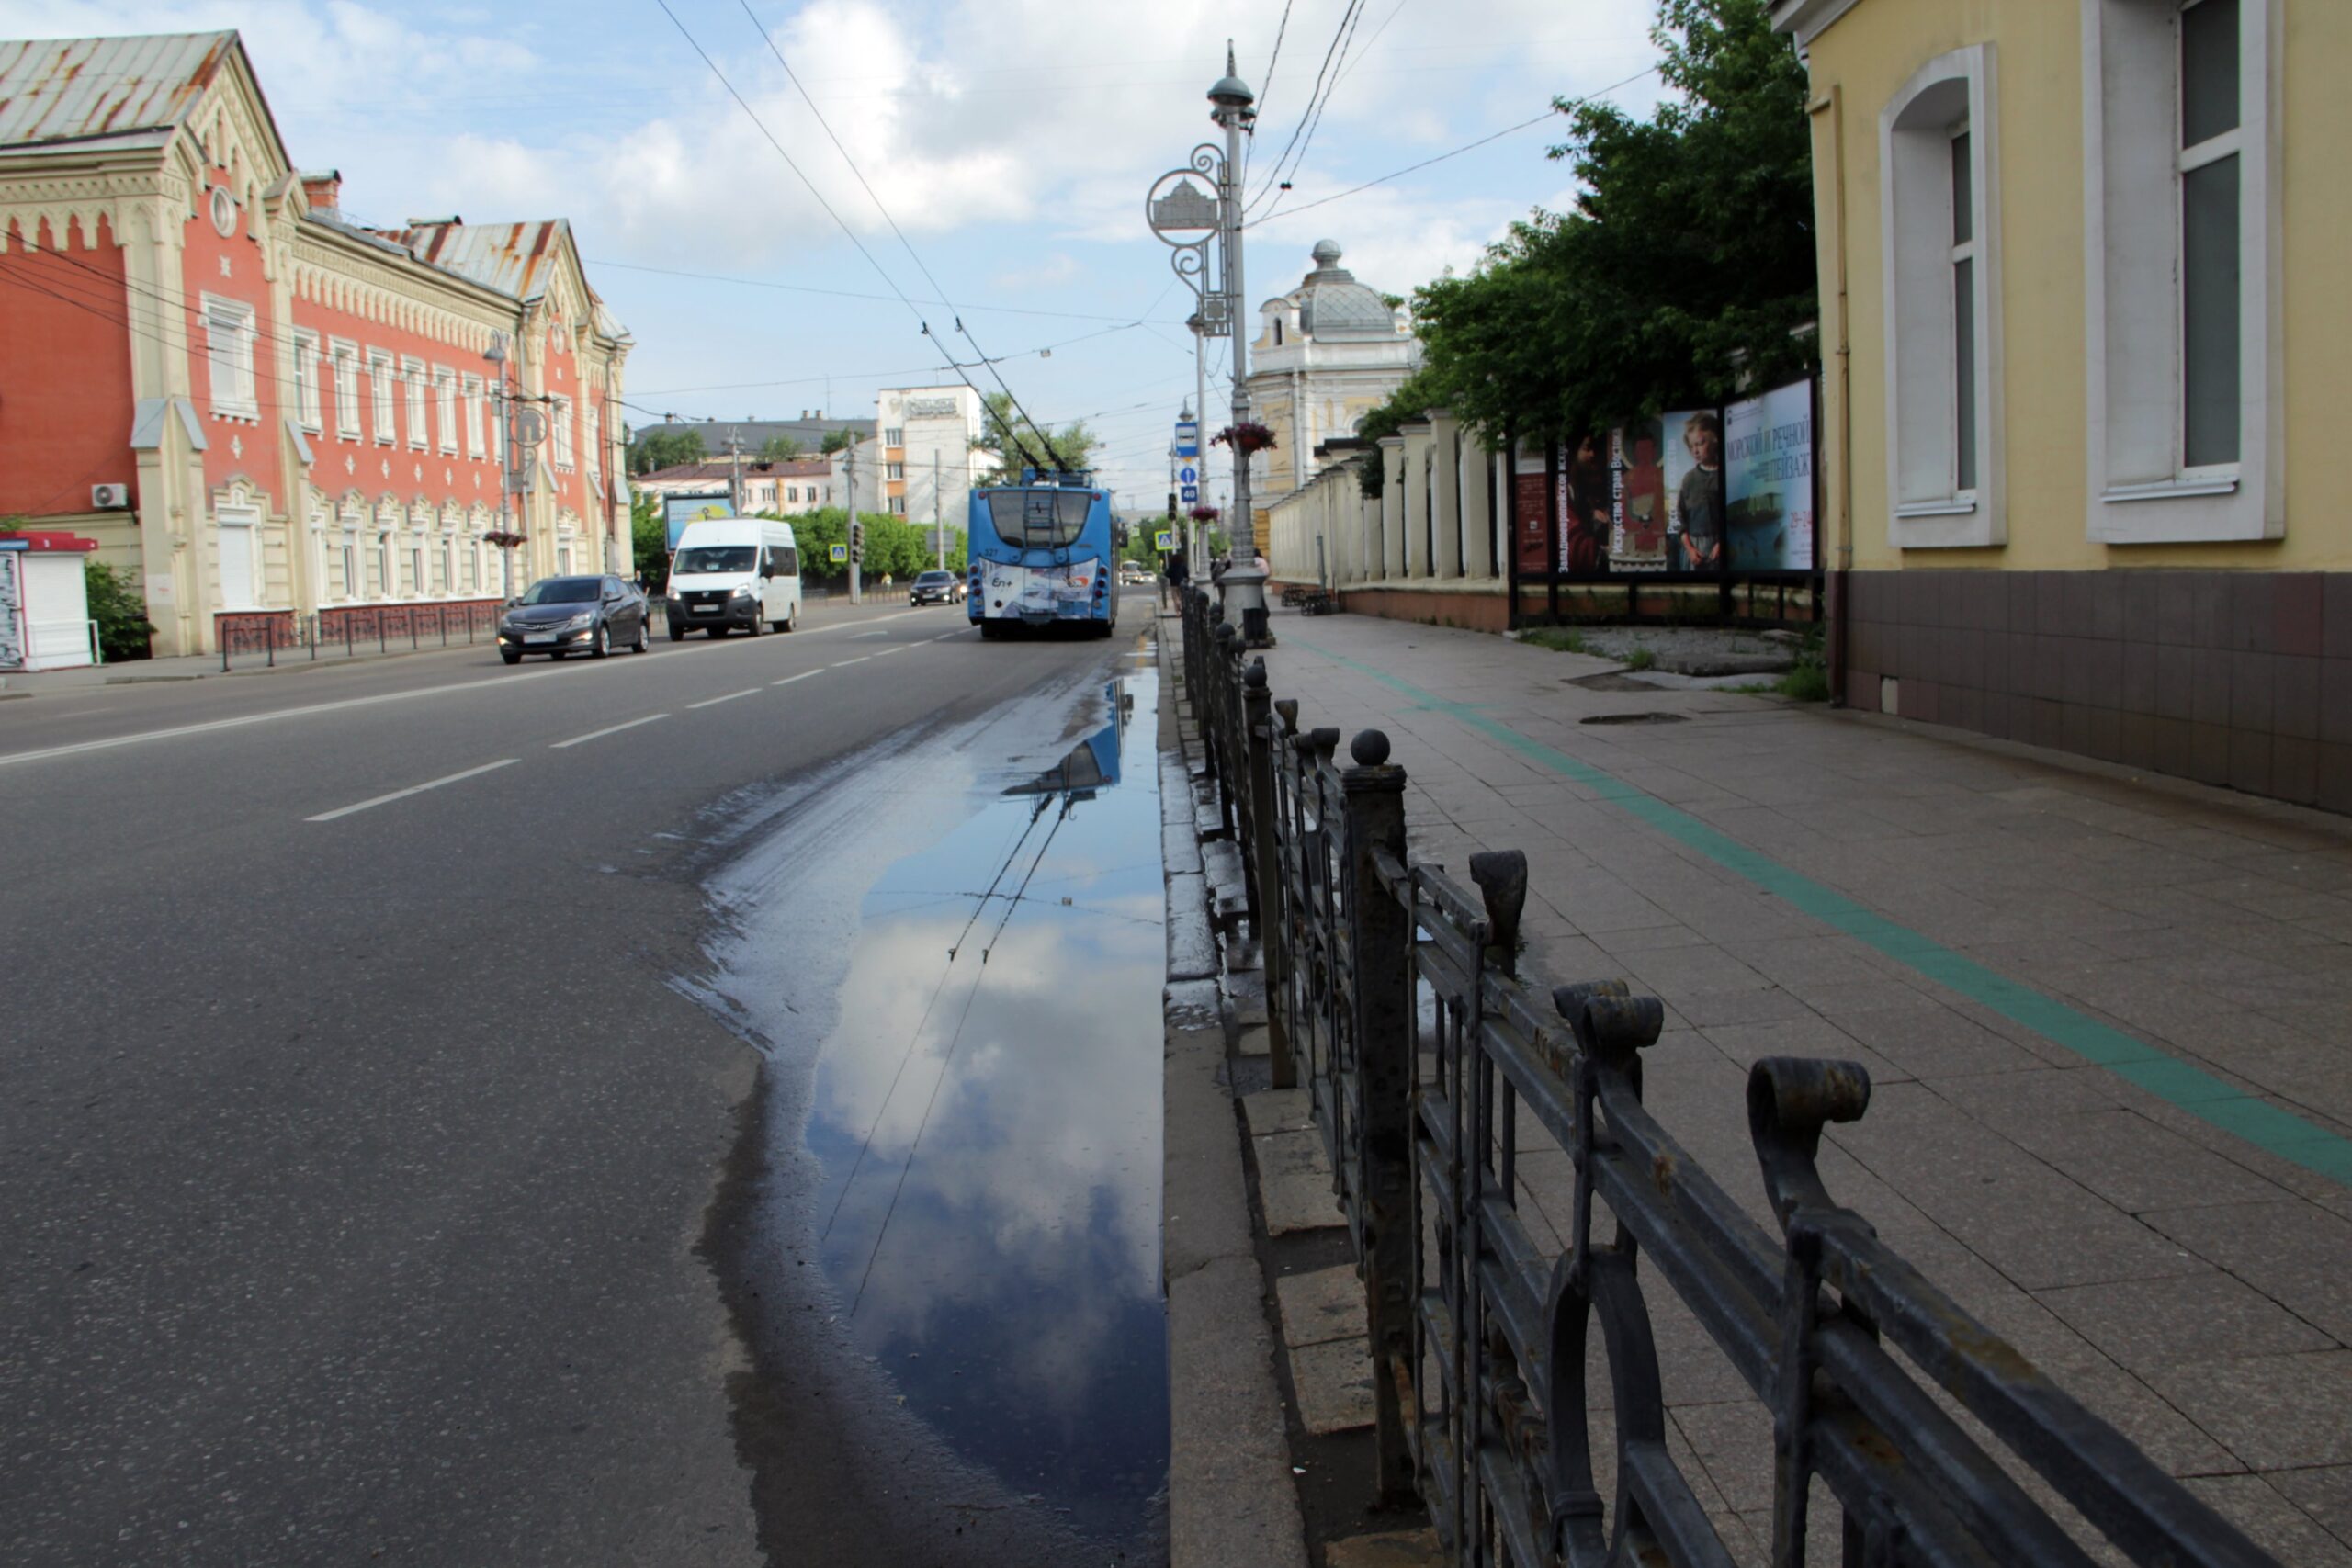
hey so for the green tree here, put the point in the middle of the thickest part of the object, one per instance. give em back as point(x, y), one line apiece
point(834, 441)
point(121, 614)
point(666, 449)
point(1007, 436)
point(1681, 275)
point(780, 449)
point(649, 537)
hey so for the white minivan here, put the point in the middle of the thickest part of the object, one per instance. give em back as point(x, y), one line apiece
point(734, 571)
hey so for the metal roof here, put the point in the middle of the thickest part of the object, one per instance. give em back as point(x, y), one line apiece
point(93, 89)
point(513, 258)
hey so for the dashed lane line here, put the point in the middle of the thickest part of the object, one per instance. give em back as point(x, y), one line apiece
point(847, 662)
point(608, 729)
point(413, 789)
point(788, 680)
point(713, 702)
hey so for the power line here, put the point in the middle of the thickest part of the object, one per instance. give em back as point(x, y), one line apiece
point(908, 245)
point(849, 293)
point(1561, 108)
point(1312, 94)
point(1274, 59)
point(1316, 123)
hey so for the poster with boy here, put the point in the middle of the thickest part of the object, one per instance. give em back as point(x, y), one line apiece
point(1694, 483)
point(1768, 448)
point(1638, 498)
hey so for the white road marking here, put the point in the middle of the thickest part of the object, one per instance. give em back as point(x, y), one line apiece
point(413, 789)
point(887, 651)
point(942, 636)
point(600, 734)
point(870, 633)
point(713, 702)
point(847, 662)
point(495, 685)
point(788, 680)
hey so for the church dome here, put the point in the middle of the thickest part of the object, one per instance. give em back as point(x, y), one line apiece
point(1333, 307)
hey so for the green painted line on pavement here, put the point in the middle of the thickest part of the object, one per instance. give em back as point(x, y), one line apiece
point(2191, 1088)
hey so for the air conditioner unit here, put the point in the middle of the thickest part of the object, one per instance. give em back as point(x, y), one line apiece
point(109, 498)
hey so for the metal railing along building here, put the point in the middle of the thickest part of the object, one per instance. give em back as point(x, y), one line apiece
point(1394, 995)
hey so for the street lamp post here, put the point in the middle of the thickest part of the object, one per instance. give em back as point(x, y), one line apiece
point(1245, 584)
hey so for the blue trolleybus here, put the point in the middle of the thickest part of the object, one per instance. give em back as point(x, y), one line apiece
point(1042, 554)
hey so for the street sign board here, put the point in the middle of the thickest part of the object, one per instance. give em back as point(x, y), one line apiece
point(1188, 493)
point(1164, 541)
point(1188, 438)
point(530, 427)
point(839, 554)
point(1188, 475)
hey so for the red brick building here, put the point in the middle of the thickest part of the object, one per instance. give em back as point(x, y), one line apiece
point(263, 410)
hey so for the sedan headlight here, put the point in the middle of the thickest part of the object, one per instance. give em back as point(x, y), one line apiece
point(584, 619)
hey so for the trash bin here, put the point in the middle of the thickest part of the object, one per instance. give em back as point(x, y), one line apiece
point(44, 602)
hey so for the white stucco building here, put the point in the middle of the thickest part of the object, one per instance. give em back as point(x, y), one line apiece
point(1328, 352)
point(928, 462)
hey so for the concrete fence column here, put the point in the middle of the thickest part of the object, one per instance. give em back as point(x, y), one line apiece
point(1478, 490)
point(1392, 506)
point(1445, 492)
point(1418, 560)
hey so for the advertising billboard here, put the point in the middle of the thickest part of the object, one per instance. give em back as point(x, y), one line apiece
point(678, 510)
point(1767, 445)
point(1532, 534)
point(1692, 445)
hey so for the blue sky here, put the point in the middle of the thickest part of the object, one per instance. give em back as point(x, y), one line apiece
point(1012, 140)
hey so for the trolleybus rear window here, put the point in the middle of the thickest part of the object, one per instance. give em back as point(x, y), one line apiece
point(1039, 518)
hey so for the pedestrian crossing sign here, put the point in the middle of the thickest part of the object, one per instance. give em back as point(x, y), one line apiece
point(1164, 541)
point(839, 554)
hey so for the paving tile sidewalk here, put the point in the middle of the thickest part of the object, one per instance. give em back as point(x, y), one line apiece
point(2169, 1233)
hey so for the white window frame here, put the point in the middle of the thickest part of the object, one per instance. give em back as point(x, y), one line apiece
point(346, 360)
point(1926, 507)
point(445, 407)
point(2139, 491)
point(383, 395)
point(229, 338)
point(560, 422)
point(246, 516)
point(412, 380)
point(894, 438)
point(591, 441)
point(307, 410)
point(476, 441)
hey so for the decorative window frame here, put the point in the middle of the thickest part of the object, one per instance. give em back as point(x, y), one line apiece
point(445, 408)
point(343, 355)
point(231, 325)
point(2139, 492)
point(477, 418)
point(383, 398)
point(1914, 132)
point(309, 403)
point(560, 433)
point(236, 500)
point(414, 384)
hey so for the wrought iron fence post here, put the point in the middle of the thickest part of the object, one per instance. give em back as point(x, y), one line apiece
point(1225, 673)
point(1380, 940)
point(1263, 854)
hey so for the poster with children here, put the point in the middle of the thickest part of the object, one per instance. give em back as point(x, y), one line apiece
point(1767, 445)
point(1693, 447)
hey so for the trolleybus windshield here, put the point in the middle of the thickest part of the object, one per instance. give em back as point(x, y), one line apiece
point(1045, 519)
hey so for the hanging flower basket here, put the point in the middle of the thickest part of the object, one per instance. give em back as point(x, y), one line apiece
point(1202, 515)
point(1245, 437)
point(503, 538)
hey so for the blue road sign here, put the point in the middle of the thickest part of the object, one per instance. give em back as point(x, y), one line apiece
point(840, 553)
point(1164, 540)
point(1189, 493)
point(1188, 475)
point(1188, 438)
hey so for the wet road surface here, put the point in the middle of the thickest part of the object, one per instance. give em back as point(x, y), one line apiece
point(942, 1236)
point(360, 1145)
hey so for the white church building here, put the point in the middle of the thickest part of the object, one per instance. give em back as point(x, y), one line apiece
point(1328, 352)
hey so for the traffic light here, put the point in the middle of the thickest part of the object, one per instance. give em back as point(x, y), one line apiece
point(857, 542)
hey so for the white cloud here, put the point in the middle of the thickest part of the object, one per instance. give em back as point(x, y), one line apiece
point(1059, 268)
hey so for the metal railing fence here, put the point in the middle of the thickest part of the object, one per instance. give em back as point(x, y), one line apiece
point(1432, 1063)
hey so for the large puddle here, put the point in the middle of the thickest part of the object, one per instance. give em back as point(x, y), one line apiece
point(977, 1165)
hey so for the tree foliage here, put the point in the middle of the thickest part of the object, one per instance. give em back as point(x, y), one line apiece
point(780, 449)
point(1681, 275)
point(649, 537)
point(893, 546)
point(666, 449)
point(834, 441)
point(121, 614)
point(1004, 433)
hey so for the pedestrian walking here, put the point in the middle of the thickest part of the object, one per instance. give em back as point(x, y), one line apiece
point(1172, 580)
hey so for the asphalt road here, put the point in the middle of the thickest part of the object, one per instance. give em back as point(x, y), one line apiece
point(356, 1145)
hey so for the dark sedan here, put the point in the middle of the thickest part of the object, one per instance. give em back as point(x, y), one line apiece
point(935, 588)
point(560, 615)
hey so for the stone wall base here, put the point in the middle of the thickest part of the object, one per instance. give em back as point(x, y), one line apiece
point(2237, 678)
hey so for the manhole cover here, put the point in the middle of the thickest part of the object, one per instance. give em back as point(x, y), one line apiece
point(1633, 719)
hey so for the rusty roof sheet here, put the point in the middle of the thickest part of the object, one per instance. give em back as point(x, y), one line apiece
point(104, 89)
point(513, 258)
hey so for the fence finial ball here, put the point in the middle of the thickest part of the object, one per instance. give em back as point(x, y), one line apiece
point(1255, 676)
point(1370, 749)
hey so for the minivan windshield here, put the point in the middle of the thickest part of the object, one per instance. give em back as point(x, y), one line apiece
point(564, 590)
point(709, 558)
point(1038, 518)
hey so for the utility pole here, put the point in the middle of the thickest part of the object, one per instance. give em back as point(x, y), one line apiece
point(735, 470)
point(1245, 585)
point(938, 529)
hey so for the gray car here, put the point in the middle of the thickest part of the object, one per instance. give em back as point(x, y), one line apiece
point(564, 615)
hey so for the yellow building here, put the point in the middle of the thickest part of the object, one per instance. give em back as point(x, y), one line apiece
point(2084, 328)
